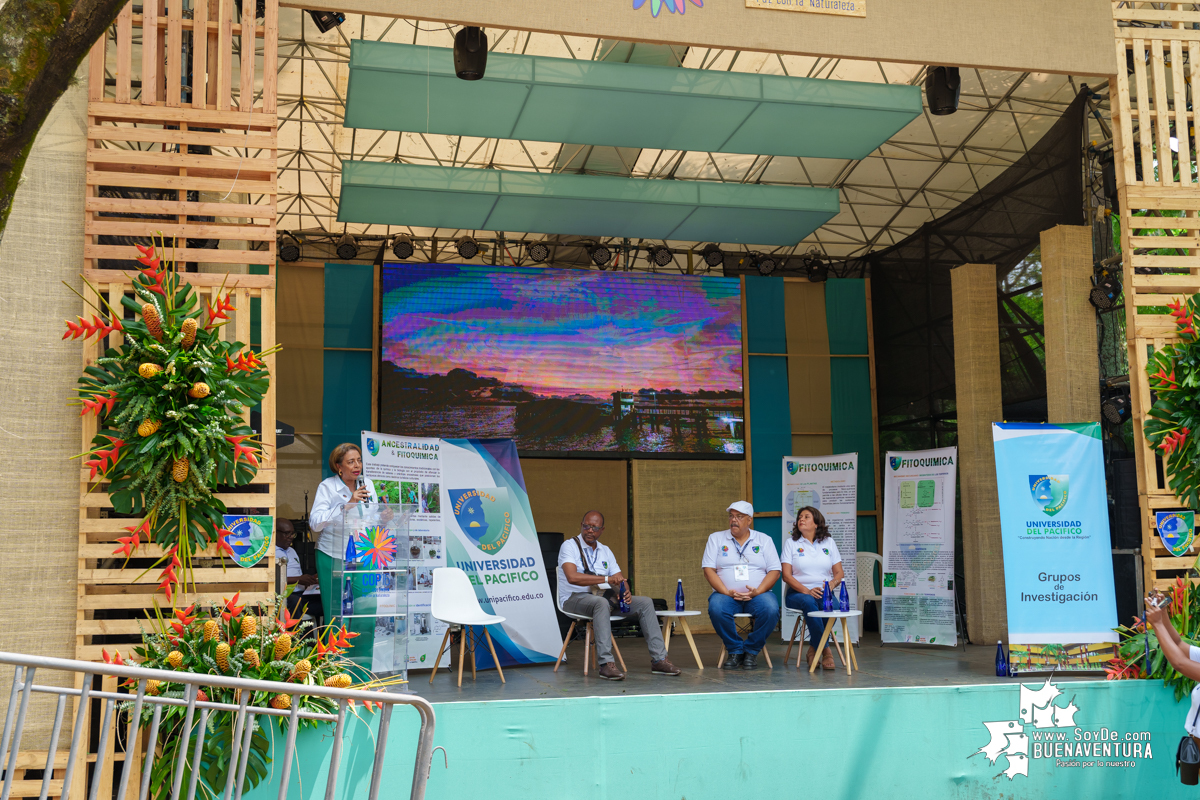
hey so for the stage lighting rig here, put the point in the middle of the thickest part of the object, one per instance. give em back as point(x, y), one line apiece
point(288, 247)
point(942, 87)
point(347, 247)
point(764, 263)
point(1106, 290)
point(659, 255)
point(815, 267)
point(538, 252)
point(327, 20)
point(467, 247)
point(600, 254)
point(712, 255)
point(402, 246)
point(1117, 407)
point(470, 53)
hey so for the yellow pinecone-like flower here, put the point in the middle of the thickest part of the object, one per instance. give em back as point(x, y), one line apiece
point(199, 390)
point(249, 626)
point(211, 629)
point(179, 470)
point(338, 681)
point(251, 657)
point(283, 646)
point(152, 687)
point(301, 670)
point(151, 318)
point(175, 659)
point(281, 702)
point(189, 332)
point(148, 427)
point(149, 370)
point(223, 656)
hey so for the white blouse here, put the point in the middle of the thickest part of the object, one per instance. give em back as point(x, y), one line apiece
point(1191, 724)
point(332, 495)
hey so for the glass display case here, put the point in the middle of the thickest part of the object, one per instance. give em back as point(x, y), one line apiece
point(372, 578)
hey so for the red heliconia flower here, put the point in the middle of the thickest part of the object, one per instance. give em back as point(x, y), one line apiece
point(187, 615)
point(232, 609)
point(115, 659)
point(288, 622)
point(240, 449)
point(217, 310)
point(222, 544)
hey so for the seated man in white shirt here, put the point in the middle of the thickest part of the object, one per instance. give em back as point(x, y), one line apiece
point(742, 564)
point(584, 563)
point(285, 534)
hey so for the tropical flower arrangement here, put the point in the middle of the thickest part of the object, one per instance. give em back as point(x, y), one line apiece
point(230, 640)
point(168, 402)
point(1140, 655)
point(1174, 374)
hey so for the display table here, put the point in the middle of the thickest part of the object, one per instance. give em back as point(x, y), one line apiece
point(682, 616)
point(831, 618)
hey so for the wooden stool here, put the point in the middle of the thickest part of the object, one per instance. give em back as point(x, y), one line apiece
point(743, 629)
point(803, 641)
point(589, 645)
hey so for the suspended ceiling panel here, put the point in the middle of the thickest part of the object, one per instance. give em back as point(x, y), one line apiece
point(593, 205)
point(403, 87)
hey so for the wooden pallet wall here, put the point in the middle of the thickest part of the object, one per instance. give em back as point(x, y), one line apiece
point(1157, 68)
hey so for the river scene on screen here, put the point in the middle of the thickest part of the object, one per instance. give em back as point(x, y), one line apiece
point(563, 360)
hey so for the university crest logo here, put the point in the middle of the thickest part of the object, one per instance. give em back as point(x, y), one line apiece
point(484, 516)
point(372, 446)
point(894, 461)
point(1049, 492)
point(792, 467)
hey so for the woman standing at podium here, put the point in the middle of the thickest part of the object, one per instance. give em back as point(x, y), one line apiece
point(333, 495)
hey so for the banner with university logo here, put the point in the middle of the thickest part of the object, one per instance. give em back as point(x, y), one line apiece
point(1054, 529)
point(1176, 529)
point(249, 537)
point(830, 485)
point(918, 547)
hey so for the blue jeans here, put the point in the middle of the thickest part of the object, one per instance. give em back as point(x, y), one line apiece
point(806, 603)
point(764, 607)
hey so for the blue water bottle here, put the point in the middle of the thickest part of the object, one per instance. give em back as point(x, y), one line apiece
point(844, 598)
point(679, 595)
point(1001, 662)
point(624, 605)
point(827, 598)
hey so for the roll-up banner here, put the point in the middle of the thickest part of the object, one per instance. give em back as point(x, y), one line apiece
point(830, 485)
point(473, 513)
point(1054, 527)
point(918, 547)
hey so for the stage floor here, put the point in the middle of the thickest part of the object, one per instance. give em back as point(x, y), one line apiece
point(892, 666)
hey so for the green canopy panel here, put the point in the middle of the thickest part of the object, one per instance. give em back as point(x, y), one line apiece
point(402, 87)
point(386, 193)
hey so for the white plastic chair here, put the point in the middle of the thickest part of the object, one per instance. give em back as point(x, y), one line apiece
point(866, 581)
point(589, 643)
point(454, 603)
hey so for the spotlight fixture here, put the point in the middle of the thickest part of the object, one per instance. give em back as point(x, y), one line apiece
point(1108, 178)
point(467, 247)
point(327, 20)
point(470, 53)
point(347, 247)
point(659, 255)
point(712, 255)
point(765, 264)
point(288, 247)
point(942, 87)
point(538, 252)
point(600, 254)
point(815, 267)
point(1104, 294)
point(402, 246)
point(1117, 408)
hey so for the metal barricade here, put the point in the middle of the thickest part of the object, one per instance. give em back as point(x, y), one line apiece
point(26, 668)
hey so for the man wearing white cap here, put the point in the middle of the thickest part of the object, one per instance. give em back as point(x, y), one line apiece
point(742, 564)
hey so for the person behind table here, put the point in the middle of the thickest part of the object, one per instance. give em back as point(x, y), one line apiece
point(1185, 658)
point(742, 564)
point(333, 496)
point(811, 557)
point(583, 563)
point(304, 588)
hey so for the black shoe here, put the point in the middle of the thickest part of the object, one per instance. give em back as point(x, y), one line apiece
point(733, 660)
point(750, 661)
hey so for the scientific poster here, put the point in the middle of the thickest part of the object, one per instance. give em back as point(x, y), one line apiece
point(918, 547)
point(830, 485)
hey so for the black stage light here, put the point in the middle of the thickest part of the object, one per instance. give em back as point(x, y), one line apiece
point(1104, 294)
point(765, 264)
point(1108, 178)
point(467, 247)
point(402, 246)
point(538, 252)
point(815, 266)
point(288, 247)
point(942, 87)
point(658, 254)
point(1117, 408)
point(712, 255)
point(470, 53)
point(327, 20)
point(347, 247)
point(600, 254)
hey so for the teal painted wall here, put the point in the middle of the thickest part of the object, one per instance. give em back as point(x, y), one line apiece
point(349, 315)
point(850, 743)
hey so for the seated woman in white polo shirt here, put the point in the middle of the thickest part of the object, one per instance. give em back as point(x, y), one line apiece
point(810, 557)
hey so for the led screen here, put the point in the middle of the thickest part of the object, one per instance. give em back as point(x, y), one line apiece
point(563, 361)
